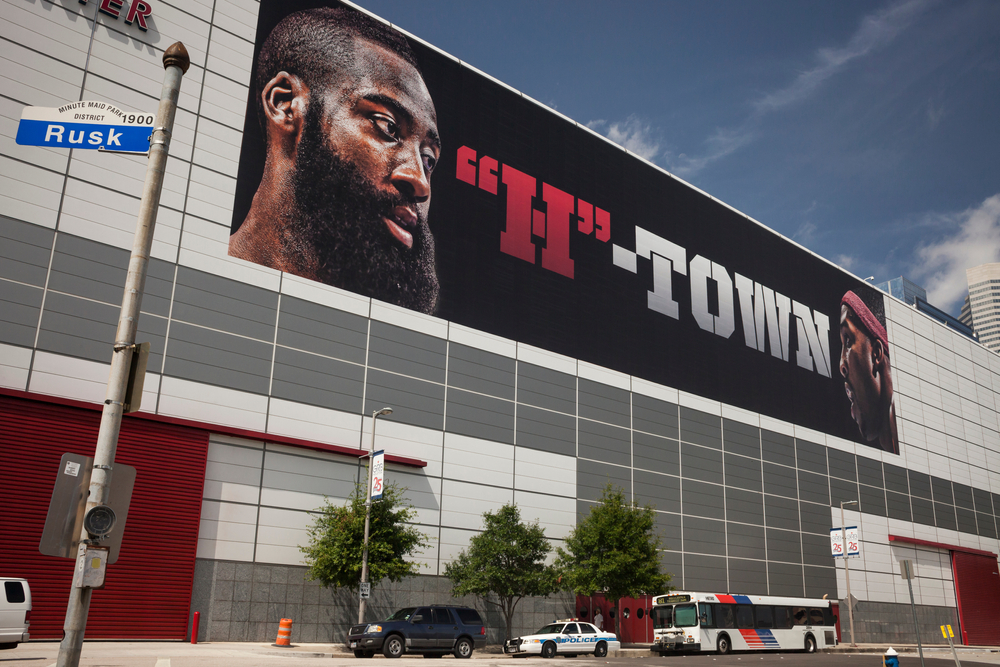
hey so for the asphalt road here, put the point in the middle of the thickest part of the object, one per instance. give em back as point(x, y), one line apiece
point(176, 654)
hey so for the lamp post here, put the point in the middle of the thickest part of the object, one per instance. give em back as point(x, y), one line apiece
point(368, 513)
point(847, 569)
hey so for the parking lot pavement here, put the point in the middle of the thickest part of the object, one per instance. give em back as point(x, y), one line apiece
point(235, 654)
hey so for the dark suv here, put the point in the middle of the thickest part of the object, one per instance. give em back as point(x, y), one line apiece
point(432, 631)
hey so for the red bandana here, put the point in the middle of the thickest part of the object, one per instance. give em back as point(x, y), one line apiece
point(871, 322)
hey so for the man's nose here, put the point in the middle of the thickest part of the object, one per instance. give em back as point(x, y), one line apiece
point(409, 176)
point(843, 365)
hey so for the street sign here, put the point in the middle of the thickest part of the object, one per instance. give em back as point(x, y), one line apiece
point(61, 533)
point(378, 474)
point(906, 569)
point(86, 125)
point(366, 590)
point(837, 542)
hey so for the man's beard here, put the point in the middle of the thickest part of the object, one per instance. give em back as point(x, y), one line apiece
point(338, 223)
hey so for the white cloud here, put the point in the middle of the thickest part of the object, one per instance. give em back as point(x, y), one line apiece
point(876, 31)
point(633, 134)
point(846, 261)
point(806, 233)
point(969, 238)
point(722, 143)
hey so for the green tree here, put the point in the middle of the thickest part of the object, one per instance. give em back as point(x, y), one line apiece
point(613, 550)
point(506, 562)
point(337, 536)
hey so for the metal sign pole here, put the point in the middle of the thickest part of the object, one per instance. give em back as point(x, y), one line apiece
point(368, 515)
point(847, 569)
point(176, 62)
point(907, 570)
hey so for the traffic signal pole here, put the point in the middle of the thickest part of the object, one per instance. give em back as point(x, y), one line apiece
point(176, 62)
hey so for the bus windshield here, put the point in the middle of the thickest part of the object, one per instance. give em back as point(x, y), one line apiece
point(685, 616)
point(663, 617)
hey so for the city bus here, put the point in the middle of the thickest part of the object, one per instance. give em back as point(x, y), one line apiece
point(716, 622)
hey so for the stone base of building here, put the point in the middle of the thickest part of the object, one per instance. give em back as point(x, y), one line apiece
point(888, 623)
point(246, 601)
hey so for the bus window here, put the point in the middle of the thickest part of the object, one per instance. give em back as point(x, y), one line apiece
point(828, 617)
point(815, 616)
point(685, 616)
point(765, 618)
point(800, 615)
point(724, 616)
point(782, 617)
point(744, 616)
point(707, 621)
point(663, 617)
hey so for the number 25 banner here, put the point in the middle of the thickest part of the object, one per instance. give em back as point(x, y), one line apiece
point(378, 474)
point(837, 542)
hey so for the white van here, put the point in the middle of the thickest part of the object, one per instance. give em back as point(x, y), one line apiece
point(15, 612)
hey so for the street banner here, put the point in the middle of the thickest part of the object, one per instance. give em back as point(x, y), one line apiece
point(378, 474)
point(89, 125)
point(837, 542)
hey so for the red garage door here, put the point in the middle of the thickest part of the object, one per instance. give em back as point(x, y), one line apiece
point(148, 591)
point(977, 583)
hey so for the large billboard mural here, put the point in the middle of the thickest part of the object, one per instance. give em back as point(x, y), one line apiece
point(388, 169)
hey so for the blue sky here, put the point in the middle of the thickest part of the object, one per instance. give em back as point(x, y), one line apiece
point(869, 132)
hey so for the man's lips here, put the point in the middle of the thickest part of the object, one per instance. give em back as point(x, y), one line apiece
point(400, 221)
point(850, 397)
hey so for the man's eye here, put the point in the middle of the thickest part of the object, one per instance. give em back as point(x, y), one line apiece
point(429, 162)
point(387, 126)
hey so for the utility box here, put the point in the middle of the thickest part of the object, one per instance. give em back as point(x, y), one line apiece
point(90, 569)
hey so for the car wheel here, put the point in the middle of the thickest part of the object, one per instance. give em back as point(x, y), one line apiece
point(359, 653)
point(393, 646)
point(723, 645)
point(601, 649)
point(549, 650)
point(810, 644)
point(463, 648)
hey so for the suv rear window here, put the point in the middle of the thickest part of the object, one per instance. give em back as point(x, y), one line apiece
point(469, 616)
point(14, 591)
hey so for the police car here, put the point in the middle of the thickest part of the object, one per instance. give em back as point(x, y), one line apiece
point(568, 636)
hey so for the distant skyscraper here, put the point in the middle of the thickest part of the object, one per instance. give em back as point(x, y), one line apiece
point(903, 289)
point(913, 294)
point(984, 303)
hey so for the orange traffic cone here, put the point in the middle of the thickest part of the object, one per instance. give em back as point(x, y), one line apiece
point(284, 633)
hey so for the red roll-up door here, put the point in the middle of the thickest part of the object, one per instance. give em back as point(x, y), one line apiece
point(148, 591)
point(977, 584)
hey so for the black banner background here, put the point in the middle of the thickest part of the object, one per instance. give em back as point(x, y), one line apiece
point(601, 314)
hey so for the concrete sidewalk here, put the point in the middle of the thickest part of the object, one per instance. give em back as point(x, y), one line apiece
point(252, 653)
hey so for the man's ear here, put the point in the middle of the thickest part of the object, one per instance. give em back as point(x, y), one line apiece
point(285, 99)
point(878, 354)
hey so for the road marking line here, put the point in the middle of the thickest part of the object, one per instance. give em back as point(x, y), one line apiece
point(162, 662)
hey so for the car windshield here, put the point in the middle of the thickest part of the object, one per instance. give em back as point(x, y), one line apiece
point(551, 629)
point(402, 614)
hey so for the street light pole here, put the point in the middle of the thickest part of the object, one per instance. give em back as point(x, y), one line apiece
point(176, 62)
point(847, 569)
point(368, 513)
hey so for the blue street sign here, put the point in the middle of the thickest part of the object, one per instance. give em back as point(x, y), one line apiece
point(85, 125)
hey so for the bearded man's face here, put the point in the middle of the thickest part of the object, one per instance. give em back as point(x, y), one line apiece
point(362, 183)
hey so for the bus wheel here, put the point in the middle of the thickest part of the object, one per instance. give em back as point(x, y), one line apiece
point(723, 645)
point(810, 644)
